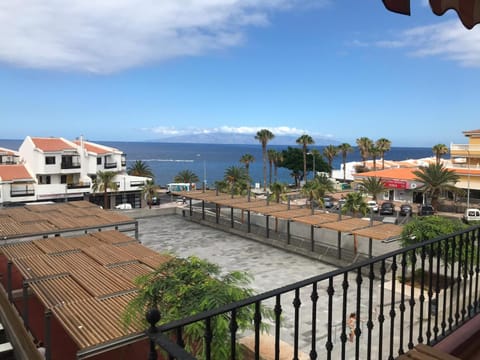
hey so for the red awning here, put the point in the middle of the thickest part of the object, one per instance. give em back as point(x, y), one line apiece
point(467, 10)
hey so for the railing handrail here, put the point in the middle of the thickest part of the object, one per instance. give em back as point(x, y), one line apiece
point(306, 282)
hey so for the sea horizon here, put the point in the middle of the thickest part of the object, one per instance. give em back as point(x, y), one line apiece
point(209, 161)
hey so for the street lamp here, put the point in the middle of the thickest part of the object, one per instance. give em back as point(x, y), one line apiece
point(313, 157)
point(468, 177)
point(204, 186)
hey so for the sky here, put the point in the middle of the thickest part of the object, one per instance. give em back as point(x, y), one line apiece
point(141, 70)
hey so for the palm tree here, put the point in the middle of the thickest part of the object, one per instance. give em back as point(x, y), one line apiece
point(438, 151)
point(278, 158)
point(364, 145)
point(278, 190)
point(186, 176)
point(271, 155)
point(373, 186)
point(383, 146)
point(355, 203)
point(436, 179)
point(330, 151)
point(246, 160)
point(236, 177)
point(264, 136)
point(149, 191)
point(140, 168)
point(374, 153)
point(104, 181)
point(305, 140)
point(344, 149)
point(317, 188)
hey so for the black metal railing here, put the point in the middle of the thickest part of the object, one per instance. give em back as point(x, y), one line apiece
point(418, 294)
point(110, 165)
point(78, 186)
point(22, 192)
point(70, 165)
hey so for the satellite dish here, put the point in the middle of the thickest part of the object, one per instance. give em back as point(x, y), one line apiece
point(413, 186)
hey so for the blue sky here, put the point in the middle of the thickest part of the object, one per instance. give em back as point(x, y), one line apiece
point(142, 70)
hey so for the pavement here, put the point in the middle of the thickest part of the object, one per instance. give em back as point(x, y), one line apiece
point(270, 268)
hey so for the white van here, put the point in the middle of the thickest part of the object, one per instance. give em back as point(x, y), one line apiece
point(471, 215)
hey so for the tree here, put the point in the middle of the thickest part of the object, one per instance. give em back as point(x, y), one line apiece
point(246, 160)
point(103, 182)
point(345, 149)
point(179, 288)
point(383, 146)
point(364, 145)
point(149, 190)
point(278, 191)
point(439, 150)
point(264, 136)
point(236, 178)
point(374, 153)
point(305, 140)
point(277, 160)
point(271, 155)
point(293, 161)
point(140, 168)
point(330, 152)
point(317, 188)
point(373, 186)
point(355, 203)
point(186, 176)
point(436, 179)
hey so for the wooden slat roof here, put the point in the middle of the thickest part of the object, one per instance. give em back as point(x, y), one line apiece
point(86, 281)
point(320, 218)
point(380, 232)
point(33, 220)
point(349, 225)
point(293, 213)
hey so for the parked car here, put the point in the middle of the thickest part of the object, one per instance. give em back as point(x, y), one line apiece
point(372, 205)
point(471, 215)
point(406, 209)
point(125, 206)
point(327, 202)
point(426, 210)
point(387, 208)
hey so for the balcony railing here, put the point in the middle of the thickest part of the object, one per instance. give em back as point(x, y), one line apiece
point(70, 165)
point(418, 294)
point(22, 192)
point(110, 165)
point(78, 186)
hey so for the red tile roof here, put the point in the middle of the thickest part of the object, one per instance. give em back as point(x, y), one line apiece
point(52, 144)
point(395, 173)
point(14, 172)
point(94, 148)
point(5, 151)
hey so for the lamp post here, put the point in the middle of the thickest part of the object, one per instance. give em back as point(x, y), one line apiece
point(204, 185)
point(468, 177)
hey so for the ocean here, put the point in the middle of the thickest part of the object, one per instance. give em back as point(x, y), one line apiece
point(209, 161)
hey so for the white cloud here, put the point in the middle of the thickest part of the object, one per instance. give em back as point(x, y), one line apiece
point(111, 35)
point(449, 40)
point(277, 130)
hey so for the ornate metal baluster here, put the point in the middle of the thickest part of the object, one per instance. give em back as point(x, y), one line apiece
point(477, 270)
point(438, 258)
point(412, 298)
point(452, 276)
point(371, 278)
point(465, 277)
point(423, 255)
point(381, 316)
point(459, 279)
point(233, 334)
point(446, 286)
point(278, 313)
point(471, 273)
point(358, 331)
point(152, 316)
point(392, 307)
point(257, 320)
point(330, 292)
point(296, 304)
point(343, 336)
point(314, 298)
point(430, 294)
point(402, 303)
point(208, 338)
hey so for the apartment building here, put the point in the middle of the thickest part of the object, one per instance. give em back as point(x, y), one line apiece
point(56, 169)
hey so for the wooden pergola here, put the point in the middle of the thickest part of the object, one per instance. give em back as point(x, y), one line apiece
point(332, 221)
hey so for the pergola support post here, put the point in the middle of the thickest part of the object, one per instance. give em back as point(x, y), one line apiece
point(248, 221)
point(203, 209)
point(231, 217)
point(25, 304)
point(9, 280)
point(288, 231)
point(339, 244)
point(312, 237)
point(267, 218)
point(48, 335)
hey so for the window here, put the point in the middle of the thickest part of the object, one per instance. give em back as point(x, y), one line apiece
point(99, 161)
point(63, 179)
point(50, 160)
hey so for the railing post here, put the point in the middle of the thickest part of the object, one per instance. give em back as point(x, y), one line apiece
point(152, 316)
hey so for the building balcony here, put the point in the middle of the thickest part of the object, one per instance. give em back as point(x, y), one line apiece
point(19, 192)
point(422, 294)
point(79, 186)
point(110, 165)
point(464, 150)
point(70, 165)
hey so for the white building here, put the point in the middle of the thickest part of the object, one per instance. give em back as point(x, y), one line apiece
point(56, 169)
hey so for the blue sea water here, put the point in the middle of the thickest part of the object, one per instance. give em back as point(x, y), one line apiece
point(209, 161)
